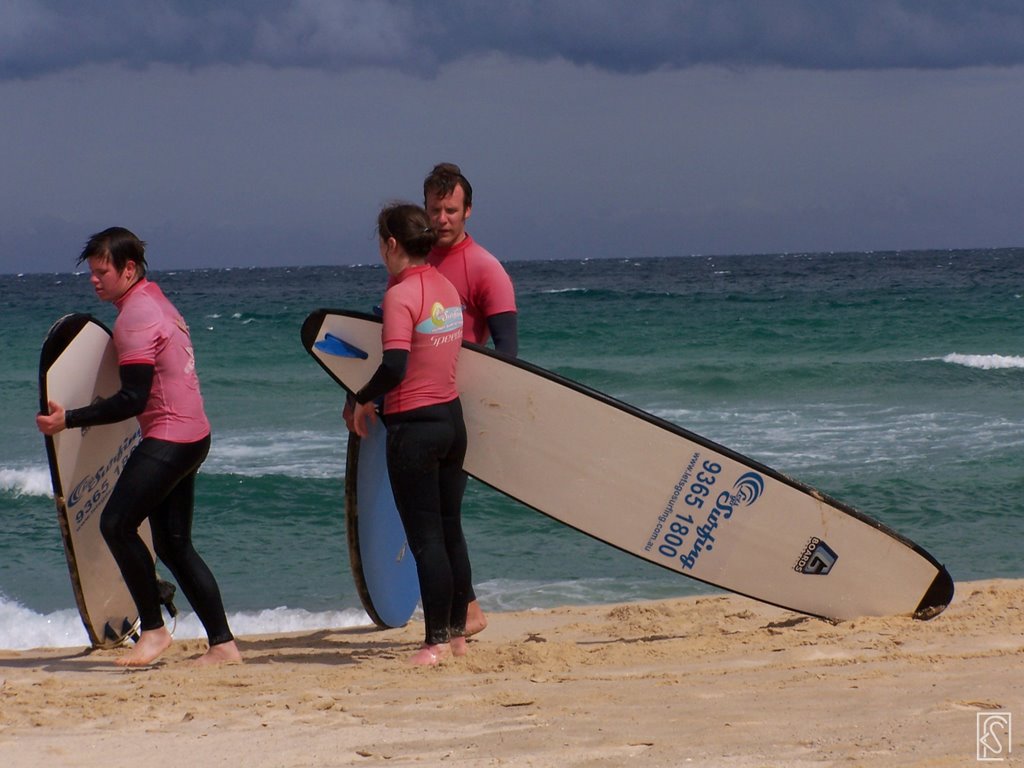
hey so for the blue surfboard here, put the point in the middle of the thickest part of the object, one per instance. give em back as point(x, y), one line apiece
point(383, 567)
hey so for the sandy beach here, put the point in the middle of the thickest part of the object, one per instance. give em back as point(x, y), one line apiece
point(718, 680)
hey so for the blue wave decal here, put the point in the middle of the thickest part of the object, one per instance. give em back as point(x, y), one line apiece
point(748, 488)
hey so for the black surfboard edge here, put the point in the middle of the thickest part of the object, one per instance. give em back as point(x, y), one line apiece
point(936, 598)
point(352, 531)
point(60, 335)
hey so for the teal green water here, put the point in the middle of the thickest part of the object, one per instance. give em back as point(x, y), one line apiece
point(892, 381)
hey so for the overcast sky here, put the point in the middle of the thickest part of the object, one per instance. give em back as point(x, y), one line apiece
point(270, 132)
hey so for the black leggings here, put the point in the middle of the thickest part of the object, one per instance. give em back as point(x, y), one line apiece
point(158, 482)
point(425, 450)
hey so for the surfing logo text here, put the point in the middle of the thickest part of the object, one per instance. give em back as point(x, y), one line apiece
point(686, 534)
point(442, 320)
point(92, 491)
point(443, 326)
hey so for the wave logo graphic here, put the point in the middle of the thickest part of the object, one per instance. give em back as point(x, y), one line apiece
point(748, 488)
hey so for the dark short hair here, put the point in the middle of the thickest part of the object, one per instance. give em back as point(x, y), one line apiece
point(443, 179)
point(119, 245)
point(409, 225)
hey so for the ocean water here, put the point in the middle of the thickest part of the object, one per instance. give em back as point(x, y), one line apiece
point(891, 381)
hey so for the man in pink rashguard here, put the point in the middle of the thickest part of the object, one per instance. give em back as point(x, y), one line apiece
point(159, 386)
point(488, 297)
point(485, 289)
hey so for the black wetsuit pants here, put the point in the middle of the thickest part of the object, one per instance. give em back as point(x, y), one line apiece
point(158, 482)
point(425, 450)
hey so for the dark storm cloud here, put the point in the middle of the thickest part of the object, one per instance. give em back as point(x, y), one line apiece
point(41, 36)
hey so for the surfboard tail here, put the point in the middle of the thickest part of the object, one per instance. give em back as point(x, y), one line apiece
point(937, 598)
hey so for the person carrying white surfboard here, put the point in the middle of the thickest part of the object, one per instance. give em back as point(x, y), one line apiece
point(160, 387)
point(485, 288)
point(421, 337)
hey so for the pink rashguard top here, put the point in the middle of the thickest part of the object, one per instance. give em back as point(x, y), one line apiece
point(422, 315)
point(484, 286)
point(149, 330)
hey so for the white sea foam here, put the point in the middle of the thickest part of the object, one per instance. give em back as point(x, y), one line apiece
point(984, 362)
point(825, 436)
point(297, 453)
point(305, 454)
point(29, 481)
point(272, 621)
point(22, 628)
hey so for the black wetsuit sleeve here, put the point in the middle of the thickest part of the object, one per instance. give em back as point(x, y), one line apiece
point(388, 375)
point(504, 328)
point(130, 400)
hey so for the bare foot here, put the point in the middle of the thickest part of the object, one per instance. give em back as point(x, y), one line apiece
point(222, 653)
point(428, 655)
point(151, 643)
point(476, 622)
point(459, 646)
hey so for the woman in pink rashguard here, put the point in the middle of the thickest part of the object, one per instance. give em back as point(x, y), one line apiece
point(426, 434)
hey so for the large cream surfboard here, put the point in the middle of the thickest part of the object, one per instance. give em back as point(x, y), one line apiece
point(660, 492)
point(78, 365)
